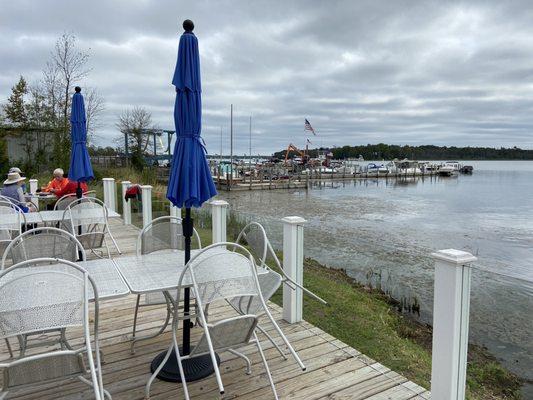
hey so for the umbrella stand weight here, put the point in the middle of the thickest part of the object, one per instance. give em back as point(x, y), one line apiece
point(195, 368)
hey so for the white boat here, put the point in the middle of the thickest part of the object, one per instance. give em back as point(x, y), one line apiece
point(406, 167)
point(320, 170)
point(377, 169)
point(449, 168)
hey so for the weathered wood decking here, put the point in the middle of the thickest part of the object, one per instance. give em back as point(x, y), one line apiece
point(334, 370)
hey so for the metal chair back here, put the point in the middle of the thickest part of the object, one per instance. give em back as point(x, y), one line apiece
point(65, 201)
point(44, 242)
point(163, 234)
point(86, 218)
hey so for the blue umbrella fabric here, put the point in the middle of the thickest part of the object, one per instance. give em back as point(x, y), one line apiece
point(190, 182)
point(80, 169)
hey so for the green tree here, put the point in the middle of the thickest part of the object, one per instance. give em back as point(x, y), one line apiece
point(15, 109)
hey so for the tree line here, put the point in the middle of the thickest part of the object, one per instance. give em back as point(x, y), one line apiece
point(425, 152)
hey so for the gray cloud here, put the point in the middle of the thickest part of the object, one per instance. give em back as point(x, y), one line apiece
point(448, 73)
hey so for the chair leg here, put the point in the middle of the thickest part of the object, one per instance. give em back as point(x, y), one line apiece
point(8, 345)
point(161, 330)
point(63, 339)
point(23, 342)
point(95, 388)
point(269, 375)
point(246, 359)
point(271, 339)
point(135, 313)
point(113, 240)
point(284, 338)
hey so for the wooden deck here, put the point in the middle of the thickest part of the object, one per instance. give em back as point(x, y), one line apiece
point(334, 370)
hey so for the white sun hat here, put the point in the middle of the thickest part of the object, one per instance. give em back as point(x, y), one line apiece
point(13, 177)
point(15, 169)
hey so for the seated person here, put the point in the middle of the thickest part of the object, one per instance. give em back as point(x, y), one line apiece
point(18, 171)
point(70, 188)
point(13, 190)
point(57, 184)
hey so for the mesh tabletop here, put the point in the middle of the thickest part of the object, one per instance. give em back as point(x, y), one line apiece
point(57, 215)
point(107, 279)
point(33, 218)
point(13, 219)
point(161, 271)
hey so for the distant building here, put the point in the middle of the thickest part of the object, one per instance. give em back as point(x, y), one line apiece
point(23, 145)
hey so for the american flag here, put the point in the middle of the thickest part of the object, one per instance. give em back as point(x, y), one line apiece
point(308, 127)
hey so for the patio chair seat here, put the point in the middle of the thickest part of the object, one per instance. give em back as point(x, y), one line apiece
point(227, 333)
point(54, 366)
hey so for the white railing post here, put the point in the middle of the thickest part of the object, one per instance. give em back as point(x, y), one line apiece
point(34, 184)
point(126, 205)
point(293, 266)
point(175, 211)
point(218, 220)
point(146, 191)
point(450, 324)
point(110, 193)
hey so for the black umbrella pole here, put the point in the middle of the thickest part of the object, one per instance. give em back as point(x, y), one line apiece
point(187, 234)
point(79, 192)
point(197, 367)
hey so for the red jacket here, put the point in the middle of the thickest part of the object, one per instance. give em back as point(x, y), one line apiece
point(70, 188)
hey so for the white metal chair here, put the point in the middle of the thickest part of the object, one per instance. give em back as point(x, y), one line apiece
point(86, 218)
point(43, 294)
point(63, 202)
point(38, 243)
point(163, 234)
point(254, 237)
point(219, 275)
point(12, 220)
point(31, 207)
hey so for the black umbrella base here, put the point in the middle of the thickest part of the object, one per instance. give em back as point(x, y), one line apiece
point(195, 368)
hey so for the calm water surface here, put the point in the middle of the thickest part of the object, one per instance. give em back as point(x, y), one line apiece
point(383, 231)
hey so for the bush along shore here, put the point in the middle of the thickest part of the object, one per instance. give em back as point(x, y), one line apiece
point(369, 320)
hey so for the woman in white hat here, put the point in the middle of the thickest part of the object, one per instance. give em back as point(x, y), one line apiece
point(13, 189)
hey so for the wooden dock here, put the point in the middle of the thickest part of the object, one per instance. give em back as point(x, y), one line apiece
point(334, 370)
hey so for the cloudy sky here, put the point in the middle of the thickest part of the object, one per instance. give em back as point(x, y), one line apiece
point(403, 72)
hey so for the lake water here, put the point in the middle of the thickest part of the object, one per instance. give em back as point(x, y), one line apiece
point(382, 231)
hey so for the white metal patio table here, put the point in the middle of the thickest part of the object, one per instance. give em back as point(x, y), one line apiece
point(53, 216)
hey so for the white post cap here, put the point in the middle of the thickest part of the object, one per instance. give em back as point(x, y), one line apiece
point(223, 203)
point(453, 256)
point(294, 220)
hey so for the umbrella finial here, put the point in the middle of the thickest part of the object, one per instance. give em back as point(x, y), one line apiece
point(188, 25)
point(77, 89)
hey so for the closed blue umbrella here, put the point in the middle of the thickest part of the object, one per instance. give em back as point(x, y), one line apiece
point(80, 169)
point(190, 183)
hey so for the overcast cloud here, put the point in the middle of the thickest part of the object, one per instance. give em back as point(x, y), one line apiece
point(403, 72)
